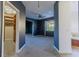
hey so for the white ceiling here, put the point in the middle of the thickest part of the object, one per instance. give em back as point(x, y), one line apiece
point(46, 9)
point(8, 9)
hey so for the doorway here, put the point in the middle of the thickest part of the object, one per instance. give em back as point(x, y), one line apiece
point(10, 34)
point(28, 27)
point(39, 25)
point(49, 28)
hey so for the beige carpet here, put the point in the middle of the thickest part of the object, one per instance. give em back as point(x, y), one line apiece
point(38, 46)
point(9, 48)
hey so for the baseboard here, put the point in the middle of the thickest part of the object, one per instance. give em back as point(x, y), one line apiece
point(21, 48)
point(63, 54)
point(57, 51)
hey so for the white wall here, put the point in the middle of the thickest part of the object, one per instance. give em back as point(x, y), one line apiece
point(74, 22)
point(67, 18)
point(0, 28)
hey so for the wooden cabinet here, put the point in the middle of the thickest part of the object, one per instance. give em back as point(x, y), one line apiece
point(10, 21)
point(75, 42)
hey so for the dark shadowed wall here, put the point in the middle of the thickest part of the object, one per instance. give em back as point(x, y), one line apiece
point(0, 27)
point(39, 27)
point(21, 7)
point(56, 32)
point(50, 33)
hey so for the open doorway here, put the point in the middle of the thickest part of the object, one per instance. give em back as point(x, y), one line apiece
point(10, 30)
point(39, 27)
point(49, 28)
point(28, 27)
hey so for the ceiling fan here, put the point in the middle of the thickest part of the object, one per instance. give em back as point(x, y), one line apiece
point(39, 15)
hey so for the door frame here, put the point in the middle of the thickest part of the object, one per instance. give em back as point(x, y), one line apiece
point(17, 28)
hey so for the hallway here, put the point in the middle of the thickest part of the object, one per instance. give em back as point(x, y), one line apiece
point(38, 46)
point(39, 29)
